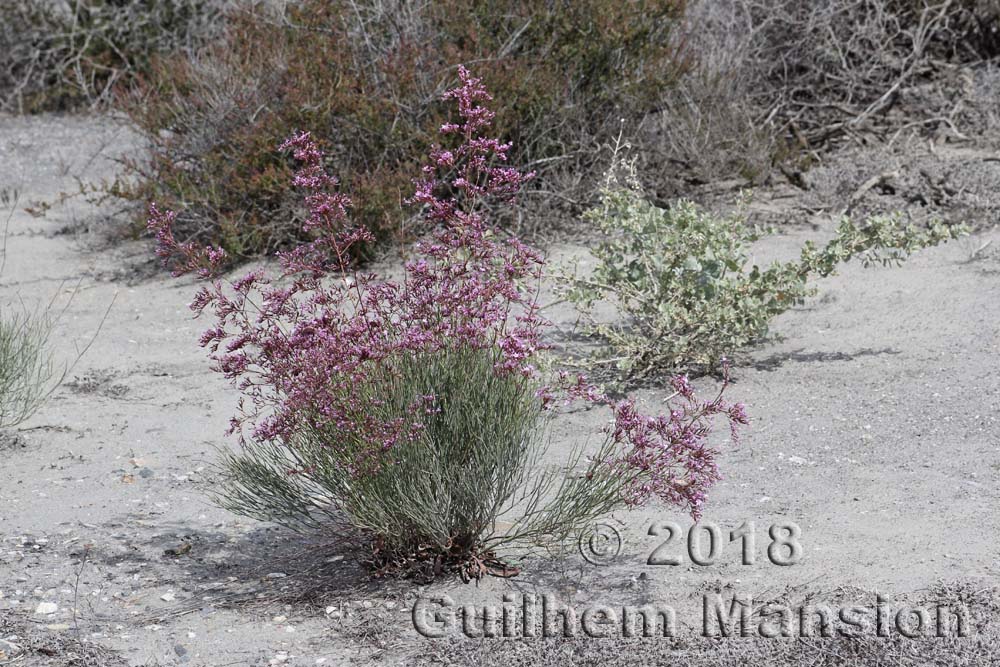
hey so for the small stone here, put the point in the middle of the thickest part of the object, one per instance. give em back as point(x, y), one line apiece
point(168, 597)
point(797, 460)
point(46, 608)
point(8, 650)
point(58, 627)
point(145, 473)
point(279, 619)
point(179, 550)
point(276, 575)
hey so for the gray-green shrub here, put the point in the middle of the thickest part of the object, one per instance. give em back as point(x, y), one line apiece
point(681, 279)
point(26, 368)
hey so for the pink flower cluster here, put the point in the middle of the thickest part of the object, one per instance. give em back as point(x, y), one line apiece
point(299, 344)
point(665, 456)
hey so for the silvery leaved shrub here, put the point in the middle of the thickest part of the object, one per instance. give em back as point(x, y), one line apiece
point(415, 410)
point(682, 285)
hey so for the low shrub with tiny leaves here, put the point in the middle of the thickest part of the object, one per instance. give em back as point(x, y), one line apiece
point(366, 77)
point(415, 410)
point(682, 283)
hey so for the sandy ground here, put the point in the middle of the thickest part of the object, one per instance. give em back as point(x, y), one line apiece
point(875, 431)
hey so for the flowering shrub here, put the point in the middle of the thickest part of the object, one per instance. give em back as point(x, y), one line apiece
point(682, 285)
point(416, 409)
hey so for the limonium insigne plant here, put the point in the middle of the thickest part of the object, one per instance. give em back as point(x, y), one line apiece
point(681, 282)
point(416, 410)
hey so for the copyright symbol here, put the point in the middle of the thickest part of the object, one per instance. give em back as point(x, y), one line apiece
point(600, 544)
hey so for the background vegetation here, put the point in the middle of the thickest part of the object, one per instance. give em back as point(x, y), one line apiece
point(58, 55)
point(777, 83)
point(365, 77)
point(705, 91)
